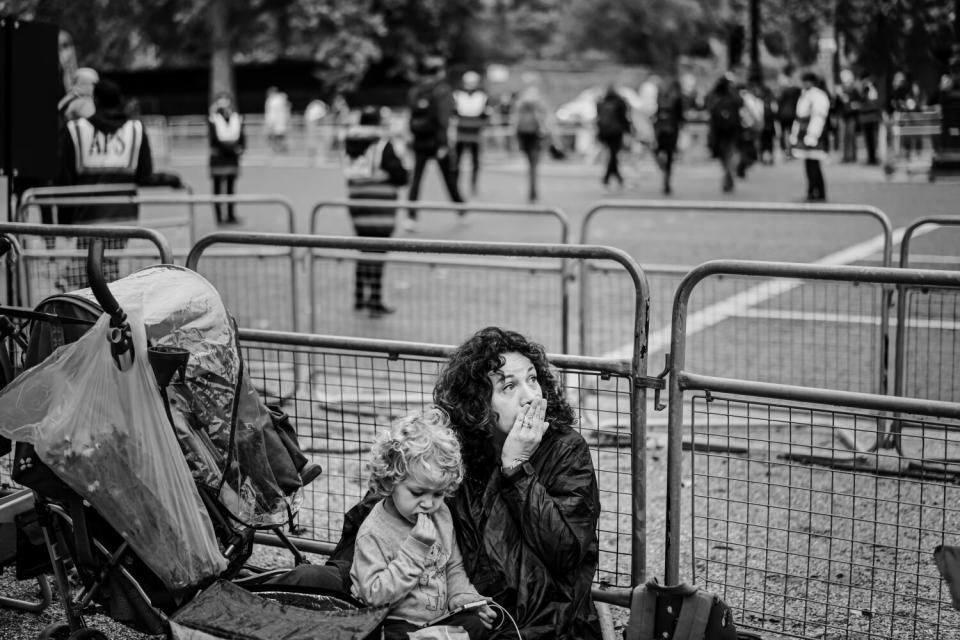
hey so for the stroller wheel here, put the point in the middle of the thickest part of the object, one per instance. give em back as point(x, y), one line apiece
point(55, 631)
point(87, 634)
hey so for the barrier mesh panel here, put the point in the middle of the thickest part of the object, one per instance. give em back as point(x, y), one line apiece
point(337, 401)
point(806, 538)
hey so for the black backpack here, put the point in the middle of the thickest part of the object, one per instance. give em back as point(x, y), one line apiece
point(424, 113)
point(683, 612)
point(725, 115)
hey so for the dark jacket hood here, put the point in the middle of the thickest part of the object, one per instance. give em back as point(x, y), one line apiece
point(108, 120)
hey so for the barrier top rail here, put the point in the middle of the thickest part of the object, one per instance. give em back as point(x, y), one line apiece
point(749, 207)
point(639, 381)
point(916, 224)
point(417, 349)
point(462, 207)
point(138, 199)
point(93, 231)
point(680, 380)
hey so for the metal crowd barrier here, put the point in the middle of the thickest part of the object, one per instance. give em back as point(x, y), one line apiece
point(358, 386)
point(38, 197)
point(804, 538)
point(34, 199)
point(928, 329)
point(41, 272)
point(768, 310)
point(345, 387)
point(458, 279)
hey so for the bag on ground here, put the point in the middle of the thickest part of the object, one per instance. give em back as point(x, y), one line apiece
point(683, 612)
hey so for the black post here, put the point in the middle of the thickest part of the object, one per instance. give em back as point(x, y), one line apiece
point(756, 73)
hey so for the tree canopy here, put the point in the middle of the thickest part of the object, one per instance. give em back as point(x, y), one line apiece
point(345, 37)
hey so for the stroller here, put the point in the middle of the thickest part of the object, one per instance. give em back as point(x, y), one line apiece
point(154, 462)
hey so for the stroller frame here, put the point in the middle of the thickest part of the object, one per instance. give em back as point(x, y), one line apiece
point(69, 540)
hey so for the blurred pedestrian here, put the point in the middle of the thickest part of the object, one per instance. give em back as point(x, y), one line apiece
point(787, 107)
point(313, 117)
point(78, 101)
point(871, 115)
point(276, 119)
point(751, 117)
point(613, 123)
point(666, 127)
point(808, 138)
point(726, 127)
point(532, 128)
point(847, 100)
point(768, 131)
point(106, 148)
point(227, 142)
point(431, 106)
point(905, 98)
point(472, 115)
point(340, 117)
point(374, 171)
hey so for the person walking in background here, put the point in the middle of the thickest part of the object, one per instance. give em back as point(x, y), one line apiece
point(768, 132)
point(313, 117)
point(406, 553)
point(809, 137)
point(904, 98)
point(848, 108)
point(613, 122)
point(373, 171)
point(726, 127)
point(276, 119)
point(871, 114)
point(532, 127)
point(431, 106)
point(227, 142)
point(787, 108)
point(666, 128)
point(751, 117)
point(472, 114)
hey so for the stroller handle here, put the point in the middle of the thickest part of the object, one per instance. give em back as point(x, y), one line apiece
point(121, 342)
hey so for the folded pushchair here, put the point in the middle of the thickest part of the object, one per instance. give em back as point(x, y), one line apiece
point(152, 458)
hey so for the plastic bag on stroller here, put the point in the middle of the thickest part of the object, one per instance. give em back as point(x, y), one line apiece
point(104, 432)
point(224, 429)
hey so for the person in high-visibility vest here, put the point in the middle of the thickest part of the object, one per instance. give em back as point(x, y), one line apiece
point(472, 112)
point(105, 148)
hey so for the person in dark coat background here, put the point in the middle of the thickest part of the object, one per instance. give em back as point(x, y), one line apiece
point(667, 129)
point(726, 127)
point(431, 106)
point(613, 122)
point(227, 142)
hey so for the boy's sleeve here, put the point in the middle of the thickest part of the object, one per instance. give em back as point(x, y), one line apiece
point(377, 580)
point(459, 588)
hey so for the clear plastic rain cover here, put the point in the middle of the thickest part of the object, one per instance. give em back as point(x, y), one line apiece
point(182, 309)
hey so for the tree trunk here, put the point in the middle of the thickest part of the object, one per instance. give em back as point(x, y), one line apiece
point(221, 55)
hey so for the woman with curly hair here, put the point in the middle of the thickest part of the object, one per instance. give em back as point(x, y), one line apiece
point(526, 512)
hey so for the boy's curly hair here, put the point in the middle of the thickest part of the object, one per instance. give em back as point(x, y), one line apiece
point(464, 390)
point(420, 445)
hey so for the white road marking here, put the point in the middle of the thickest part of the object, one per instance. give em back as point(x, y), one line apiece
point(738, 304)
